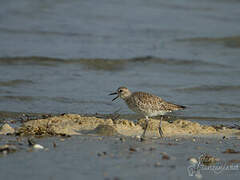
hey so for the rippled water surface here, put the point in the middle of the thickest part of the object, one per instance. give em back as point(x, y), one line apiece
point(67, 56)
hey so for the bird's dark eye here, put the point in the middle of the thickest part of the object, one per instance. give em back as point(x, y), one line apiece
point(120, 90)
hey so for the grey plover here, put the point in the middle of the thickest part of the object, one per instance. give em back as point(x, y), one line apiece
point(146, 104)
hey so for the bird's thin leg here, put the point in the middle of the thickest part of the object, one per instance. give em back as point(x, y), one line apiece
point(143, 135)
point(160, 127)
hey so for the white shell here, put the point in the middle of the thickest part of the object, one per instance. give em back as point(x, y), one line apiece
point(38, 146)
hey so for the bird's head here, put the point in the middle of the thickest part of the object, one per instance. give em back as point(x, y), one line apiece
point(121, 92)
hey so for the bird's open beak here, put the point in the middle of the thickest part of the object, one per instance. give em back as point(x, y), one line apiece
point(114, 94)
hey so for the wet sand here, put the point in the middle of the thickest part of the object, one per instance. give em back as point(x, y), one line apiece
point(94, 157)
point(105, 147)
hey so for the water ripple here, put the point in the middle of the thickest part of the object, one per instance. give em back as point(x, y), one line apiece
point(107, 64)
point(210, 88)
point(15, 82)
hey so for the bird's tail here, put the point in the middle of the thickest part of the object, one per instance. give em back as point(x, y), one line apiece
point(174, 107)
point(181, 107)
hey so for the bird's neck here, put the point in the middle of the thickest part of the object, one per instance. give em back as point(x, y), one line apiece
point(126, 98)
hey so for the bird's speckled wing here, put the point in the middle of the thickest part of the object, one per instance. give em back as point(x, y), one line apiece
point(155, 103)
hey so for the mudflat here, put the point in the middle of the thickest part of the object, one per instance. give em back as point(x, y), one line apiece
point(93, 147)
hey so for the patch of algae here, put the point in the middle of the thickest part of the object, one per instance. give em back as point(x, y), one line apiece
point(230, 41)
point(74, 124)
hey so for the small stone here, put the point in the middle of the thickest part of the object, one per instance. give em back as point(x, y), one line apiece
point(6, 129)
point(193, 161)
point(38, 146)
point(157, 164)
point(165, 156)
point(131, 149)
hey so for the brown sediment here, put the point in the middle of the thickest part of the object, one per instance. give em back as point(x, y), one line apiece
point(5, 149)
point(74, 124)
point(6, 129)
point(231, 151)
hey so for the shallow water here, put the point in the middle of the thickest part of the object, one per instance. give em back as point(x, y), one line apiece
point(83, 157)
point(59, 56)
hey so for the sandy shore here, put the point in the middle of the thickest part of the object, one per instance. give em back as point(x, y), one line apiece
point(74, 124)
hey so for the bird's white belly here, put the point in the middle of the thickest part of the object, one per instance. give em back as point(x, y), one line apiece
point(156, 113)
point(147, 112)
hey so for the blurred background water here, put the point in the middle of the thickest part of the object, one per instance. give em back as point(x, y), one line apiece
point(66, 56)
